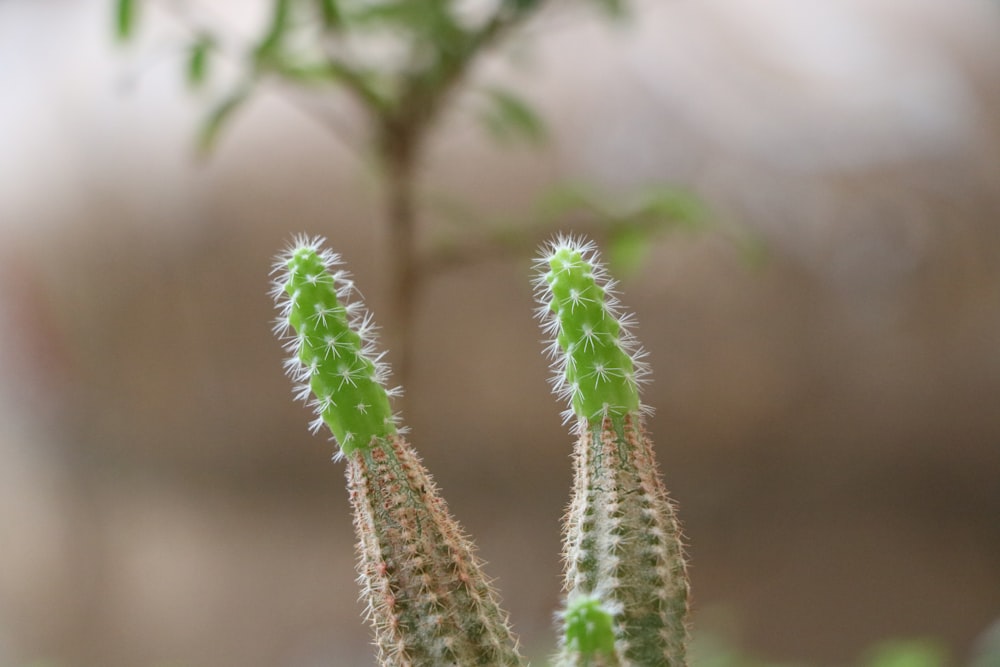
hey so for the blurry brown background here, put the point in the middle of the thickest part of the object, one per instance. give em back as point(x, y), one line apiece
point(827, 420)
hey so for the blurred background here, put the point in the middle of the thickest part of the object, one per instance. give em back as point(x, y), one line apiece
point(826, 414)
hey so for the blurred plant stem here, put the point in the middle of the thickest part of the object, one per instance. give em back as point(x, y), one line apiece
point(401, 131)
point(309, 47)
point(405, 279)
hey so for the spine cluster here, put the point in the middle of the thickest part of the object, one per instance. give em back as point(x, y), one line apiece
point(622, 542)
point(427, 597)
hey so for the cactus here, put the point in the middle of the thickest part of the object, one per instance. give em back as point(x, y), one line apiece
point(622, 542)
point(427, 598)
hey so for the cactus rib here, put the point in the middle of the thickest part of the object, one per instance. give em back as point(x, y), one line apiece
point(428, 600)
point(622, 543)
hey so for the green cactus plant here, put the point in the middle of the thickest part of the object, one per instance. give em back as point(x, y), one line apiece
point(622, 541)
point(428, 600)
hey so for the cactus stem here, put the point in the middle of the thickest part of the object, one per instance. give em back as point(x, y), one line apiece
point(622, 543)
point(428, 599)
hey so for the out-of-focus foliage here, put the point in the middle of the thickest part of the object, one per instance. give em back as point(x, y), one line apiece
point(907, 653)
point(198, 59)
point(631, 223)
point(125, 11)
point(423, 50)
point(714, 651)
point(510, 119)
point(709, 650)
point(627, 225)
point(219, 114)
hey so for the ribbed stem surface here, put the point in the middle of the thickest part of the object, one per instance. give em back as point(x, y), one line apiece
point(622, 544)
point(428, 599)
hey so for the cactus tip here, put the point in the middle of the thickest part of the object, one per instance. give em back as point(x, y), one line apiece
point(331, 341)
point(598, 364)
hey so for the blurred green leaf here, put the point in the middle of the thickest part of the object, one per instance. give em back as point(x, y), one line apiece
point(425, 17)
point(520, 6)
point(907, 653)
point(125, 16)
point(307, 73)
point(613, 8)
point(329, 11)
point(269, 47)
point(220, 114)
point(429, 26)
point(675, 206)
point(628, 247)
point(562, 199)
point(197, 65)
point(509, 118)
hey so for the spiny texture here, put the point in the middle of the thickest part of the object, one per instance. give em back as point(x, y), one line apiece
point(332, 345)
point(621, 543)
point(427, 597)
point(597, 362)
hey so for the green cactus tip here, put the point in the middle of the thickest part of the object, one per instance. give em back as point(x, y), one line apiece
point(598, 364)
point(331, 344)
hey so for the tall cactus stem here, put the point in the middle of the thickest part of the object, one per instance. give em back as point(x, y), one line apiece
point(427, 598)
point(622, 543)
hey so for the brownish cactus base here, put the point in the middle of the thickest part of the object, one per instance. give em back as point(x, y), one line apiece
point(428, 599)
point(623, 543)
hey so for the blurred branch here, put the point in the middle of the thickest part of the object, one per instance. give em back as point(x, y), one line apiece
point(641, 219)
point(243, 90)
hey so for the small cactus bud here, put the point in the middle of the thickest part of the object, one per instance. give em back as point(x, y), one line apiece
point(621, 540)
point(590, 635)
